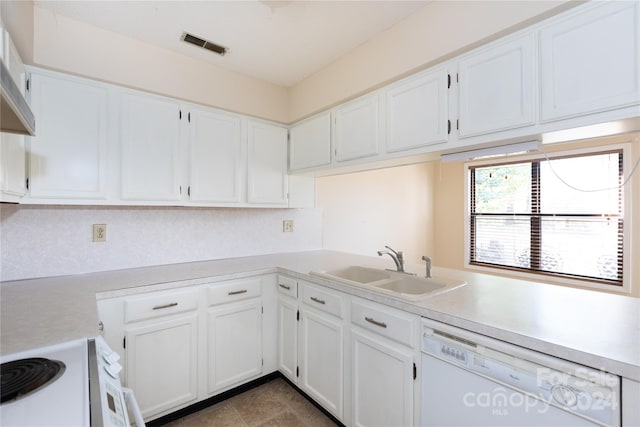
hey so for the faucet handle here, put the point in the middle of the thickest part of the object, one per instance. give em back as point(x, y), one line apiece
point(428, 260)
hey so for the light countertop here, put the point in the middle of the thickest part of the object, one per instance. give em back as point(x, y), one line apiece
point(592, 328)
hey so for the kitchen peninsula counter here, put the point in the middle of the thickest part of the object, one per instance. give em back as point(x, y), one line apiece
point(592, 328)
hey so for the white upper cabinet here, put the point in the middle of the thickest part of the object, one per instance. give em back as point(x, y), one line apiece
point(67, 157)
point(417, 111)
point(12, 167)
point(12, 146)
point(357, 128)
point(590, 61)
point(216, 156)
point(150, 147)
point(267, 163)
point(497, 86)
point(310, 143)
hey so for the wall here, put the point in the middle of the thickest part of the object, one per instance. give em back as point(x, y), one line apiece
point(40, 241)
point(442, 29)
point(449, 208)
point(71, 46)
point(17, 16)
point(365, 211)
point(438, 31)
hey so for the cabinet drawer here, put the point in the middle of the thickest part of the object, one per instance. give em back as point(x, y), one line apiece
point(394, 324)
point(288, 286)
point(160, 304)
point(322, 299)
point(235, 291)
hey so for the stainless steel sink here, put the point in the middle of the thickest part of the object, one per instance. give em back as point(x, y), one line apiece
point(391, 283)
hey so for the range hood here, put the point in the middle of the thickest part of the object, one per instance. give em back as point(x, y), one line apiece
point(16, 115)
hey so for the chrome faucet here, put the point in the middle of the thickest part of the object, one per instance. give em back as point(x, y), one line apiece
point(428, 260)
point(396, 257)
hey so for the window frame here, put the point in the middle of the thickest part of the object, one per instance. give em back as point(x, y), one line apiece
point(542, 276)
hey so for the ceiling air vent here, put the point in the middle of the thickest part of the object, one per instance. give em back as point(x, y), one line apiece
point(205, 44)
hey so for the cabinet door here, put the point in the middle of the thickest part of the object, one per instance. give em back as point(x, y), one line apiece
point(322, 360)
point(357, 128)
point(162, 363)
point(310, 144)
point(150, 137)
point(288, 338)
point(268, 179)
point(417, 111)
point(67, 157)
point(497, 87)
point(12, 167)
point(234, 344)
point(216, 155)
point(590, 61)
point(382, 382)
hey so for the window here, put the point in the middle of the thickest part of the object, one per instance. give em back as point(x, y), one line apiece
point(561, 216)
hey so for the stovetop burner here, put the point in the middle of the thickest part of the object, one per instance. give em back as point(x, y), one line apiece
point(22, 377)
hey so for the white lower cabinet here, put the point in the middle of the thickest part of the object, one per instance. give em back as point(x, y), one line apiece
point(162, 361)
point(630, 399)
point(234, 334)
point(288, 327)
point(383, 371)
point(184, 345)
point(288, 338)
point(382, 382)
point(322, 353)
point(161, 349)
point(312, 341)
point(321, 348)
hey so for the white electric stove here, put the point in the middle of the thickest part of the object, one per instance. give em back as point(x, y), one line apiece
point(71, 384)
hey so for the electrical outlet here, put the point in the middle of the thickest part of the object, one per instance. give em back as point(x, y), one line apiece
point(287, 226)
point(99, 232)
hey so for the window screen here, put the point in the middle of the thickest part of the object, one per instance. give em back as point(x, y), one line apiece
point(562, 216)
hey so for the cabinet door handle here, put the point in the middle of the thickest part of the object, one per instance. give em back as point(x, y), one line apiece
point(318, 300)
point(160, 307)
point(375, 322)
point(285, 287)
point(243, 291)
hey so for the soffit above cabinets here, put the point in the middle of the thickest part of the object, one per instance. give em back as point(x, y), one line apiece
point(282, 42)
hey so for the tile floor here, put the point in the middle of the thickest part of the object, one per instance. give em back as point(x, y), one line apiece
point(274, 404)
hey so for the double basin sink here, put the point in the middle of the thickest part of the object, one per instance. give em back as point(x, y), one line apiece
point(402, 285)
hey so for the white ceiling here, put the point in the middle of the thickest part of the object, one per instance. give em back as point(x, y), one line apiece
point(282, 42)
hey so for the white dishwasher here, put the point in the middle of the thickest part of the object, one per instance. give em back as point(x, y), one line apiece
point(472, 380)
